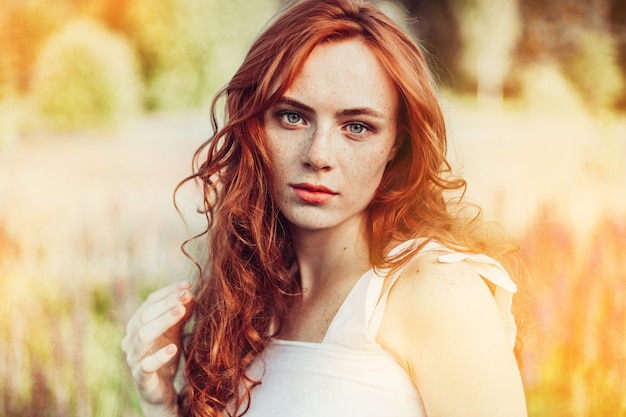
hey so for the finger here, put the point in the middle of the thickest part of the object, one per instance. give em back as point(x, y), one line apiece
point(136, 320)
point(148, 334)
point(125, 344)
point(161, 357)
point(157, 310)
point(165, 291)
point(190, 306)
point(152, 311)
point(145, 372)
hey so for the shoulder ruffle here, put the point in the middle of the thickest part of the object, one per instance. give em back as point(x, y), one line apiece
point(487, 267)
point(494, 272)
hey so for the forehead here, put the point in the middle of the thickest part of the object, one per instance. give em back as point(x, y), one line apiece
point(345, 74)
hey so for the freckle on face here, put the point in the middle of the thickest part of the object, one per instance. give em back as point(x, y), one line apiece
point(336, 77)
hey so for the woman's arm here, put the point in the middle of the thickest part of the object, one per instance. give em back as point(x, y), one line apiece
point(152, 345)
point(443, 325)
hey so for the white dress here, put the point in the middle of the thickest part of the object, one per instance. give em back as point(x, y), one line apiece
point(348, 373)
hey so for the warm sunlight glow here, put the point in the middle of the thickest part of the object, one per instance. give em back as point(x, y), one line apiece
point(87, 225)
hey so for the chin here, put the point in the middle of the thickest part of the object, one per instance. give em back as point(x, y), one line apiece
point(308, 220)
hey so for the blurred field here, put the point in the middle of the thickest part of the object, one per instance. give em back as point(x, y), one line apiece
point(88, 228)
point(557, 182)
point(517, 160)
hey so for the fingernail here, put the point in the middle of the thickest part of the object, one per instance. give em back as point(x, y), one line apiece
point(184, 285)
point(183, 295)
point(176, 311)
point(170, 350)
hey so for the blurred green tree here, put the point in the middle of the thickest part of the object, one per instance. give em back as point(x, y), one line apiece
point(85, 77)
point(437, 29)
point(173, 50)
point(489, 32)
point(618, 29)
point(579, 37)
point(593, 66)
point(188, 49)
point(550, 33)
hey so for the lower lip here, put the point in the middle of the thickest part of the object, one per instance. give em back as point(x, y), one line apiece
point(313, 197)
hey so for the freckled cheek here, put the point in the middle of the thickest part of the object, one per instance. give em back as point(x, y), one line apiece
point(282, 158)
point(367, 174)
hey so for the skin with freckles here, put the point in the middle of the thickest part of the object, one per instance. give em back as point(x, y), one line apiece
point(330, 138)
point(335, 127)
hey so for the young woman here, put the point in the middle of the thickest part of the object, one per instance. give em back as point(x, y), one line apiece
point(339, 279)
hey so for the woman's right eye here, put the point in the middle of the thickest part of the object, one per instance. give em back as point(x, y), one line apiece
point(291, 117)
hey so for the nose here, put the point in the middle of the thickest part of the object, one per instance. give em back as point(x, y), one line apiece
point(319, 153)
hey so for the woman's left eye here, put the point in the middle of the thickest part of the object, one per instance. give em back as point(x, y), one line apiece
point(357, 128)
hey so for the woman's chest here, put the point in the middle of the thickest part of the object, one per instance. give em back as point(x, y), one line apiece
point(321, 379)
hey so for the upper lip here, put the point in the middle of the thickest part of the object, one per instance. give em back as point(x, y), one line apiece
point(313, 187)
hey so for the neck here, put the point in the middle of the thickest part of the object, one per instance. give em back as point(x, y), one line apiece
point(331, 255)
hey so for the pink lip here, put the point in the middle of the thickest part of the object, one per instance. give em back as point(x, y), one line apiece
point(313, 194)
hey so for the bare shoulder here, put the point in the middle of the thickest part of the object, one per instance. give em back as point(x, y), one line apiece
point(439, 300)
point(428, 286)
point(443, 326)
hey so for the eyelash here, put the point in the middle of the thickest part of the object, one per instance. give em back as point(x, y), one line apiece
point(365, 127)
point(283, 116)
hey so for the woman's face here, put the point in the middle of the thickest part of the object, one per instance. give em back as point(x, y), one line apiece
point(331, 135)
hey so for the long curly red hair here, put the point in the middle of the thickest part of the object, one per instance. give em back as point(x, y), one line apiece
point(249, 279)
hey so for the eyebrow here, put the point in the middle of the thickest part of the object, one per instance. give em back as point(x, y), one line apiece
point(295, 103)
point(359, 111)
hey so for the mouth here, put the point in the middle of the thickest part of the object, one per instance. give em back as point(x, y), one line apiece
point(313, 194)
point(313, 188)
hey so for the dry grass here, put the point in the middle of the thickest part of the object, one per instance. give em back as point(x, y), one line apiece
point(557, 182)
point(87, 228)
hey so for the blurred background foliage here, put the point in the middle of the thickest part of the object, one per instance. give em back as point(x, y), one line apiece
point(102, 103)
point(174, 54)
point(491, 44)
point(85, 77)
point(184, 51)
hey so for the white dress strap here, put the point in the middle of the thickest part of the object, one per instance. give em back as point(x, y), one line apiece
point(492, 271)
point(487, 267)
point(376, 300)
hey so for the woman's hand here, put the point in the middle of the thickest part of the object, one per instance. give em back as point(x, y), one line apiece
point(152, 345)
